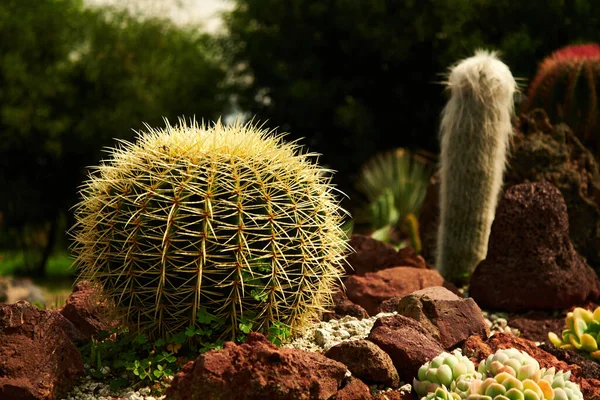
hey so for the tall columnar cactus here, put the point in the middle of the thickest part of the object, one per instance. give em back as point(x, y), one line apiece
point(475, 131)
point(565, 86)
point(229, 220)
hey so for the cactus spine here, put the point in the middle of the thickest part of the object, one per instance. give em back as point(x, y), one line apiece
point(229, 220)
point(475, 131)
point(566, 87)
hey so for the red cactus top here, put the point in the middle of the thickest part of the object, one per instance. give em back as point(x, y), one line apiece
point(577, 51)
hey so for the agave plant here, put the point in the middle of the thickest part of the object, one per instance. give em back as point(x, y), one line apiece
point(395, 183)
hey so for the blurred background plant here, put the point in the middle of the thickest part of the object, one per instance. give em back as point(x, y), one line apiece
point(394, 184)
point(346, 76)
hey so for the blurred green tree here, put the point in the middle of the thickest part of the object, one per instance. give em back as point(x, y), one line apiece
point(358, 77)
point(71, 80)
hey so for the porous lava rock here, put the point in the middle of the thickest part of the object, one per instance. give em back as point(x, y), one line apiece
point(38, 358)
point(366, 361)
point(531, 263)
point(372, 288)
point(449, 319)
point(407, 343)
point(258, 369)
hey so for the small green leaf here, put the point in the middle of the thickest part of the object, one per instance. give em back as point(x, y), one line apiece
point(140, 339)
point(245, 326)
point(190, 331)
point(204, 317)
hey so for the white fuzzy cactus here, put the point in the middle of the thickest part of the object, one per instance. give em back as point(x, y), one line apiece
point(475, 131)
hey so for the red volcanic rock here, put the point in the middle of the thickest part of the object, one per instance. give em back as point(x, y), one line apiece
point(372, 255)
point(372, 288)
point(343, 307)
point(531, 263)
point(354, 389)
point(258, 369)
point(448, 318)
point(38, 359)
point(407, 343)
point(366, 361)
point(85, 311)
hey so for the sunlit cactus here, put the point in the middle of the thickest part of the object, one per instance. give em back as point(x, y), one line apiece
point(582, 333)
point(228, 220)
point(566, 87)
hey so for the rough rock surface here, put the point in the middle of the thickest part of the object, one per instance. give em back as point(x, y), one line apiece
point(343, 307)
point(477, 349)
point(408, 344)
point(541, 152)
point(535, 325)
point(372, 288)
point(372, 255)
point(258, 369)
point(38, 359)
point(555, 154)
point(531, 263)
point(366, 361)
point(354, 389)
point(84, 310)
point(448, 318)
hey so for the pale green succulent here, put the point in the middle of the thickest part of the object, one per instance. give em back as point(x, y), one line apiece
point(441, 393)
point(517, 363)
point(508, 374)
point(582, 333)
point(443, 370)
point(563, 388)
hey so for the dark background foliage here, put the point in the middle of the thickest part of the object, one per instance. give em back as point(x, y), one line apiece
point(351, 78)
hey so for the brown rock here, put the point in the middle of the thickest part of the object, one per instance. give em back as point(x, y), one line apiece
point(531, 263)
point(372, 255)
point(343, 307)
point(477, 350)
point(535, 325)
point(589, 368)
point(372, 288)
point(354, 389)
point(85, 310)
point(554, 153)
point(366, 361)
point(408, 344)
point(38, 359)
point(448, 318)
point(258, 369)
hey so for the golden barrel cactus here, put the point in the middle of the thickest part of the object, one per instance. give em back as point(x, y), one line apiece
point(229, 220)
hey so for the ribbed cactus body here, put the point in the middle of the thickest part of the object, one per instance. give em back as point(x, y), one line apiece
point(566, 87)
point(475, 131)
point(231, 220)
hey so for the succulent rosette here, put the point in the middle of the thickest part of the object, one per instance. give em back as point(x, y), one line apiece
point(582, 333)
